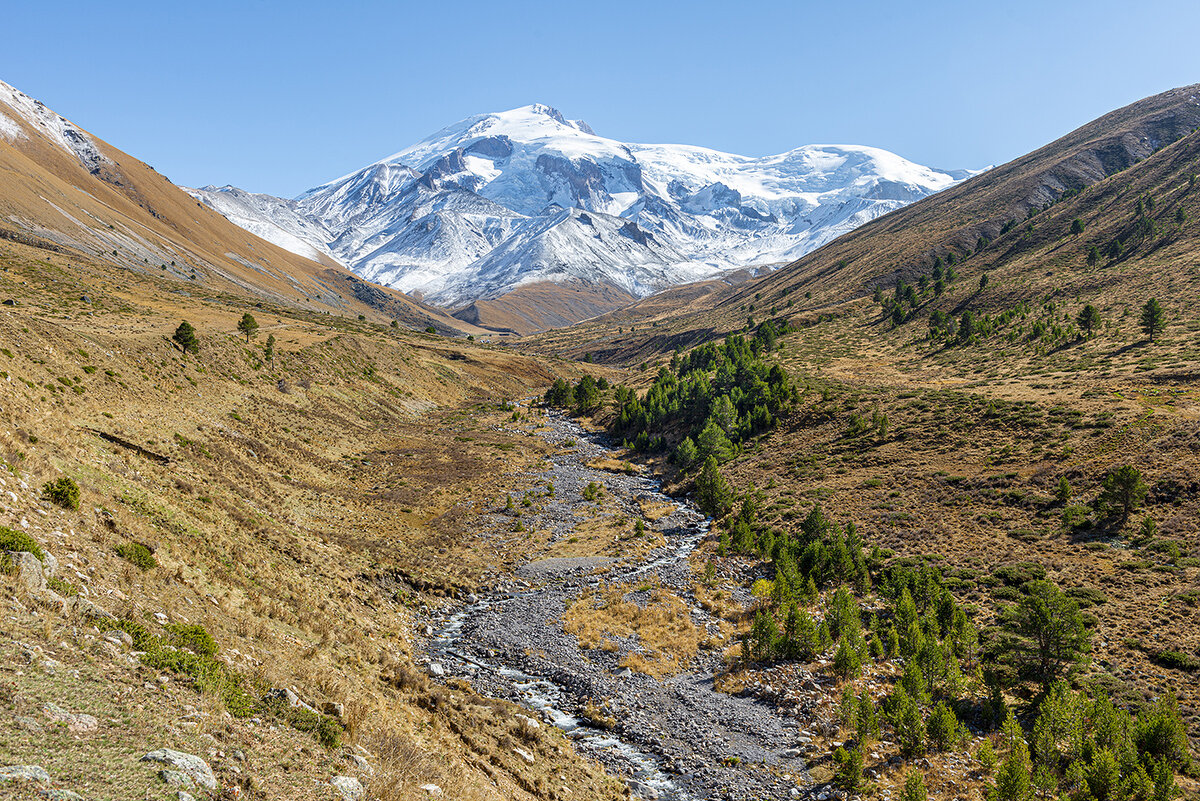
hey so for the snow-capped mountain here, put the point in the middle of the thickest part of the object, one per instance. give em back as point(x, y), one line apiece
point(501, 200)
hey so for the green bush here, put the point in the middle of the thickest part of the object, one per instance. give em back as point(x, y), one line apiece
point(194, 637)
point(61, 586)
point(19, 541)
point(137, 554)
point(63, 491)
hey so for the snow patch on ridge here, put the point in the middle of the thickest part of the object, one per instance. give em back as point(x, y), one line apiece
point(58, 130)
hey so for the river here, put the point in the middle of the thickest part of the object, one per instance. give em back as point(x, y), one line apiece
point(673, 739)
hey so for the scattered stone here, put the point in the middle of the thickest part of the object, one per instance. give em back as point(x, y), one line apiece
point(523, 754)
point(119, 637)
point(29, 724)
point(24, 773)
point(77, 723)
point(350, 787)
point(360, 763)
point(436, 669)
point(335, 709)
point(432, 790)
point(175, 778)
point(238, 755)
point(184, 795)
point(192, 765)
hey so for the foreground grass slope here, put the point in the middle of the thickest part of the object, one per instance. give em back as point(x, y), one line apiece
point(247, 518)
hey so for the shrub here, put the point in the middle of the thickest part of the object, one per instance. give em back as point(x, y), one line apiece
point(194, 637)
point(137, 554)
point(63, 491)
point(61, 586)
point(20, 541)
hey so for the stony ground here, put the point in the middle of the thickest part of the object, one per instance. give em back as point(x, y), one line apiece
point(705, 743)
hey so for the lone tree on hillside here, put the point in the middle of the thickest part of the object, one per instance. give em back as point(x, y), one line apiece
point(1153, 319)
point(1088, 319)
point(1123, 492)
point(185, 338)
point(1050, 635)
point(248, 326)
point(1076, 226)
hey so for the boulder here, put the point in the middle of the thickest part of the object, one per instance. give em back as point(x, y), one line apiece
point(432, 790)
point(192, 765)
point(28, 571)
point(76, 722)
point(24, 773)
point(350, 787)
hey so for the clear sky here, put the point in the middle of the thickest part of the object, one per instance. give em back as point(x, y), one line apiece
point(281, 96)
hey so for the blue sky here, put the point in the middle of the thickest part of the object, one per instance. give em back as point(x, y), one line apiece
point(278, 97)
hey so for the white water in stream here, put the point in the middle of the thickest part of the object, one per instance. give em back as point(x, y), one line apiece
point(644, 772)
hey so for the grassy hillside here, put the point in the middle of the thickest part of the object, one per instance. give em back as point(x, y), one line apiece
point(958, 409)
point(279, 517)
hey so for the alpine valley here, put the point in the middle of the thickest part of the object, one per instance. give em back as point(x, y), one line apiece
point(527, 220)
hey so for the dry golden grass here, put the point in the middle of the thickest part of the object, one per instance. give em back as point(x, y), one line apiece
point(662, 628)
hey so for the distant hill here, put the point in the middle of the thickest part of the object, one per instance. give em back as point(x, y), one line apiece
point(1013, 223)
point(65, 189)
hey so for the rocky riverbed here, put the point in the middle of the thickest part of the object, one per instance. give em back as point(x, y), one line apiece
point(675, 738)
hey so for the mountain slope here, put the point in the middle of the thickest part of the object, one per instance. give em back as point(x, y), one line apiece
point(68, 190)
point(491, 204)
point(1013, 223)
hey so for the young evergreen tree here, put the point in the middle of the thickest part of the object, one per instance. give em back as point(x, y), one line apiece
point(713, 493)
point(1088, 319)
point(1076, 227)
point(185, 338)
point(1093, 256)
point(269, 350)
point(1122, 492)
point(248, 326)
point(1153, 320)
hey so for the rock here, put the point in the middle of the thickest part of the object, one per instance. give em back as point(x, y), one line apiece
point(360, 763)
point(119, 637)
point(523, 754)
point(28, 571)
point(29, 724)
point(436, 669)
point(335, 709)
point(77, 723)
point(184, 795)
point(24, 773)
point(791, 753)
point(432, 790)
point(350, 787)
point(192, 765)
point(62, 795)
point(530, 722)
point(238, 755)
point(642, 790)
point(175, 778)
point(283, 694)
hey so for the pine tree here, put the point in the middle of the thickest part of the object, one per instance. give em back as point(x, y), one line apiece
point(1093, 256)
point(1088, 318)
point(185, 337)
point(269, 350)
point(248, 326)
point(914, 787)
point(713, 493)
point(1153, 319)
point(1013, 779)
point(1076, 226)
